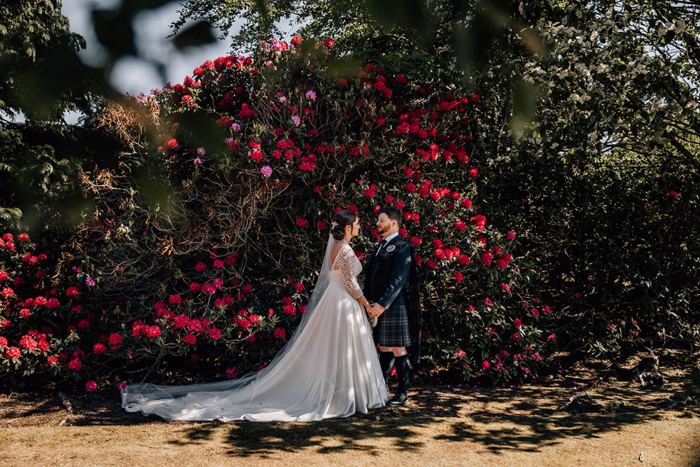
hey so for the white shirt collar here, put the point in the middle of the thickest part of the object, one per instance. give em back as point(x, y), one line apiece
point(391, 237)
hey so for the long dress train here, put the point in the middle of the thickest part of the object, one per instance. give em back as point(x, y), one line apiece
point(329, 368)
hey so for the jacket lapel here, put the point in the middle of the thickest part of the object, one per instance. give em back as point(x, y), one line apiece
point(376, 260)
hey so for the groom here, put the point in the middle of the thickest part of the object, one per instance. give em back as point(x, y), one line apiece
point(386, 275)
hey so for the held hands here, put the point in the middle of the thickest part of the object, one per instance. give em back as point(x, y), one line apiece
point(375, 309)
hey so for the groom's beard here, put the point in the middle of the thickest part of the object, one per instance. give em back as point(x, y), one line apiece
point(383, 230)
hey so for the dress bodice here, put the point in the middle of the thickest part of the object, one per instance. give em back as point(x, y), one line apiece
point(345, 269)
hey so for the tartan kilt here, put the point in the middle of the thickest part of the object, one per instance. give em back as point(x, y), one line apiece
point(392, 328)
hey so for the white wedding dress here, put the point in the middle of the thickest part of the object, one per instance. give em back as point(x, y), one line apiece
point(328, 369)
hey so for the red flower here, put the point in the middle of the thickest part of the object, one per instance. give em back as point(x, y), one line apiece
point(53, 303)
point(27, 343)
point(457, 276)
point(301, 222)
point(43, 345)
point(75, 364)
point(328, 42)
point(3, 342)
point(485, 365)
point(175, 299)
point(7, 292)
point(72, 291)
point(486, 258)
point(460, 225)
point(99, 348)
point(214, 333)
point(194, 287)
point(501, 264)
point(479, 221)
point(321, 225)
point(280, 333)
point(510, 235)
point(296, 40)
point(475, 98)
point(91, 386)
point(3, 276)
point(190, 339)
point(299, 287)
point(517, 323)
point(12, 352)
point(116, 340)
point(473, 172)
point(153, 331)
point(23, 237)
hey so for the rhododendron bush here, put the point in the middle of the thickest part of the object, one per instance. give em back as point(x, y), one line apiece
point(207, 241)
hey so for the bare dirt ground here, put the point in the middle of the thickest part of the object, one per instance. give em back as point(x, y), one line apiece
point(616, 423)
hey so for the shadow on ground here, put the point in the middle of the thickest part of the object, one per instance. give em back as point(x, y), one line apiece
point(498, 420)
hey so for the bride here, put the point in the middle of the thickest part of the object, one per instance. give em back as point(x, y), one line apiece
point(328, 369)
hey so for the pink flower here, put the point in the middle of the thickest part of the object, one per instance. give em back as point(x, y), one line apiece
point(266, 171)
point(460, 353)
point(552, 338)
point(510, 235)
point(488, 302)
point(231, 373)
point(121, 385)
point(485, 365)
point(505, 287)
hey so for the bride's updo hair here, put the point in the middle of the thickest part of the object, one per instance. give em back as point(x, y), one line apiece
point(340, 220)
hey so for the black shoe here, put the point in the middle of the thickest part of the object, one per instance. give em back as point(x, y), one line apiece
point(399, 399)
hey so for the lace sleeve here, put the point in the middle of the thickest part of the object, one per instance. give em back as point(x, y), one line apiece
point(345, 264)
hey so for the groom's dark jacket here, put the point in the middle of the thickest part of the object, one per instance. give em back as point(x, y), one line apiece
point(385, 278)
point(387, 273)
